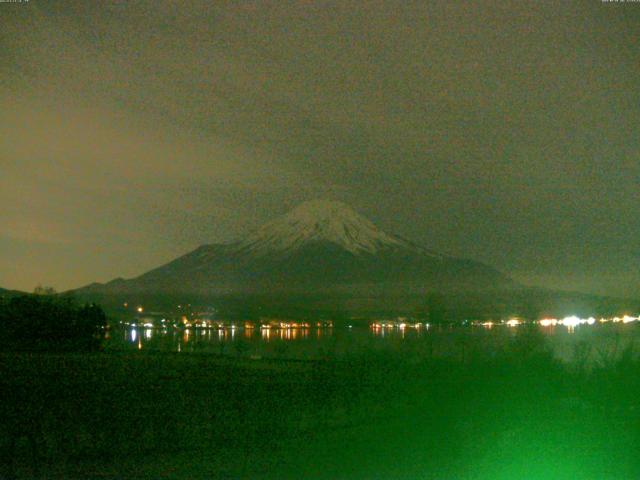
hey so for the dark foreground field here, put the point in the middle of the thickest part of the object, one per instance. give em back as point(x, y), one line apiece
point(516, 414)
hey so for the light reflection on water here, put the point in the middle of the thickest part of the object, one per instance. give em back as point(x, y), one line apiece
point(442, 341)
point(266, 334)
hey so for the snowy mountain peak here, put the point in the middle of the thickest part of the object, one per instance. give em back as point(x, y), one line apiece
point(320, 220)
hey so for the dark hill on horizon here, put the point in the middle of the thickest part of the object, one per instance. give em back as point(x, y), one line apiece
point(4, 292)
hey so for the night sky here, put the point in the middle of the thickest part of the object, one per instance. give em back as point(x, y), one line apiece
point(504, 131)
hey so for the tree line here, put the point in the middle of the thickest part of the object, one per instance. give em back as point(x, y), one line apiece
point(47, 321)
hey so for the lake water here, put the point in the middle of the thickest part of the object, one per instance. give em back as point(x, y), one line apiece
point(585, 343)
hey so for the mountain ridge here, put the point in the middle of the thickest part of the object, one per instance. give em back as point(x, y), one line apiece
point(318, 246)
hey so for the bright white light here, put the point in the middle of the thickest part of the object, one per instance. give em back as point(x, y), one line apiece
point(548, 322)
point(628, 319)
point(140, 309)
point(514, 322)
point(591, 321)
point(571, 322)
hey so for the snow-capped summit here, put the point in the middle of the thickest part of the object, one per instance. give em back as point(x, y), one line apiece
point(320, 221)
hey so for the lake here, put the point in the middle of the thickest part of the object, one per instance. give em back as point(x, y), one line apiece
point(584, 343)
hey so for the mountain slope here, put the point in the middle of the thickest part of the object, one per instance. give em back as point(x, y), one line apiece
point(318, 247)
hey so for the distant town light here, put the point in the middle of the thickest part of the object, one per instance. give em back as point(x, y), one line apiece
point(571, 322)
point(140, 309)
point(548, 322)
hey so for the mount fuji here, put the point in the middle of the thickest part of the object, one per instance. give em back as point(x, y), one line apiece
point(319, 247)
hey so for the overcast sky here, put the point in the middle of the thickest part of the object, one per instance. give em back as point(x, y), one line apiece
point(504, 131)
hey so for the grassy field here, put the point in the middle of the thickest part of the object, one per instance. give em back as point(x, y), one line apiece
point(515, 414)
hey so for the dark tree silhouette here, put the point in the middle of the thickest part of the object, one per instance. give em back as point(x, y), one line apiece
point(48, 322)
